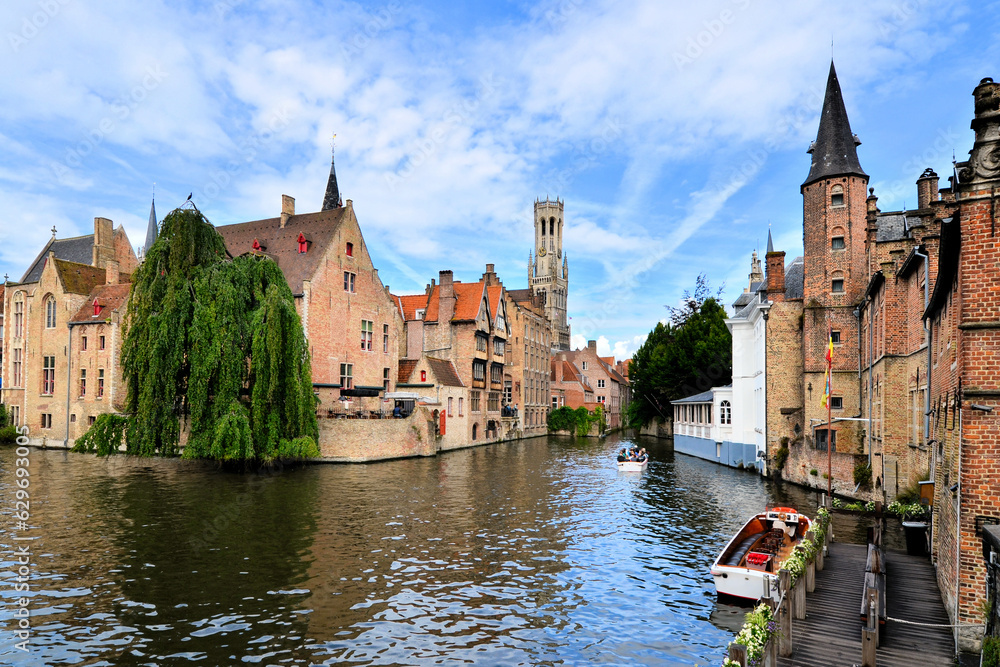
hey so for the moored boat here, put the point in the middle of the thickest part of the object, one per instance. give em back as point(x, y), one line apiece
point(748, 567)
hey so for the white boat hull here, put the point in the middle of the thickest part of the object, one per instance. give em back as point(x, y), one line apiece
point(732, 573)
point(631, 466)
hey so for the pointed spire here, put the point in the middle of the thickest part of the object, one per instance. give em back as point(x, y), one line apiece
point(151, 229)
point(770, 243)
point(332, 199)
point(834, 153)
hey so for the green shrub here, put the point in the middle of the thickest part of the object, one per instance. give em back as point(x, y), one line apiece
point(814, 472)
point(781, 455)
point(863, 475)
point(991, 652)
point(8, 434)
point(577, 422)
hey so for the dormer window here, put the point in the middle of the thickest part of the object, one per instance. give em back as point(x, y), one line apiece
point(97, 308)
point(258, 247)
point(837, 195)
point(303, 243)
point(350, 250)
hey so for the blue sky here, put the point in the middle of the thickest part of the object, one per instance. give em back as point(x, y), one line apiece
point(675, 132)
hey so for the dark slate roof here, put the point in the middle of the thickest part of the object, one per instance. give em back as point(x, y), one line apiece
point(749, 297)
point(151, 229)
point(445, 372)
point(332, 199)
point(795, 276)
point(703, 397)
point(892, 227)
point(520, 295)
point(282, 245)
point(79, 249)
point(111, 297)
point(835, 151)
point(948, 257)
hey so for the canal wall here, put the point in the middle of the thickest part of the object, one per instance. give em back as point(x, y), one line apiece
point(658, 429)
point(732, 454)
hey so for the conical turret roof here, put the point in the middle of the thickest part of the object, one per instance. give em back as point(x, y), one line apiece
point(332, 199)
point(835, 152)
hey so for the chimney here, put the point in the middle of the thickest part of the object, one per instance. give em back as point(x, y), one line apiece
point(776, 275)
point(592, 346)
point(287, 209)
point(490, 277)
point(446, 296)
point(104, 242)
point(927, 188)
point(111, 273)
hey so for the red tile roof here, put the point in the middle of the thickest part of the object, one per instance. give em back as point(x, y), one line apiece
point(409, 304)
point(111, 297)
point(495, 293)
point(406, 367)
point(281, 244)
point(469, 300)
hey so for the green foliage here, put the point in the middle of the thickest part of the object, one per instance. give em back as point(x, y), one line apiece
point(4, 415)
point(688, 355)
point(759, 626)
point(780, 457)
point(814, 472)
point(991, 652)
point(105, 436)
point(578, 421)
point(863, 475)
point(216, 343)
point(8, 433)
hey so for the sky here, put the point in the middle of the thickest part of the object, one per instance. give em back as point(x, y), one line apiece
point(675, 132)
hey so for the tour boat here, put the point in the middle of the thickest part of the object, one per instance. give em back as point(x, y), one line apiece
point(632, 466)
point(748, 567)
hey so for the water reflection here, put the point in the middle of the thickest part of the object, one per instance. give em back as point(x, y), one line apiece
point(536, 552)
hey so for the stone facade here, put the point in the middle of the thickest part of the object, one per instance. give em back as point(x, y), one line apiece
point(548, 272)
point(39, 356)
point(527, 363)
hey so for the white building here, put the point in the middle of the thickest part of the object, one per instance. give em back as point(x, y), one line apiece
point(703, 427)
point(748, 328)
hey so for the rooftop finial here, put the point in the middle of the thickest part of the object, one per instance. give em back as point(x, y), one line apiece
point(53, 231)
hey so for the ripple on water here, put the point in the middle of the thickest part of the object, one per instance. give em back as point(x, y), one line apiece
point(537, 552)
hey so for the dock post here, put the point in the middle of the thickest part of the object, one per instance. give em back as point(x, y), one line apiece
point(869, 641)
point(811, 565)
point(799, 593)
point(785, 647)
point(819, 557)
point(771, 650)
point(738, 654)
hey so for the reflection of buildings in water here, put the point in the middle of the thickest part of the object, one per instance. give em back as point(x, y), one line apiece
point(154, 546)
point(436, 547)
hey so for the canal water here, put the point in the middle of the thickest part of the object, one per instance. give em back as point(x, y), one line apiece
point(536, 552)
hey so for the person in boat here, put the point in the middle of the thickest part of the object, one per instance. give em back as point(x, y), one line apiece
point(621, 456)
point(642, 456)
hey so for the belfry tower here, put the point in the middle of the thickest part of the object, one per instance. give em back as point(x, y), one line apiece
point(548, 272)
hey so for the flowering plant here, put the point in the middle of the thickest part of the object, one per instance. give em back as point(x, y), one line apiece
point(758, 628)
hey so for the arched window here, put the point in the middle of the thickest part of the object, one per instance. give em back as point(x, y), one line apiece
point(552, 226)
point(837, 195)
point(475, 431)
point(19, 315)
point(543, 226)
point(50, 313)
point(725, 413)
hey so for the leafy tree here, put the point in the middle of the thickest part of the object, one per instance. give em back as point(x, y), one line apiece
point(213, 343)
point(690, 354)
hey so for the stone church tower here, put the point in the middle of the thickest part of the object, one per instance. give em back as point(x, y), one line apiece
point(548, 272)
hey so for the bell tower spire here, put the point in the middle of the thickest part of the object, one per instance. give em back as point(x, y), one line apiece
point(332, 199)
point(548, 279)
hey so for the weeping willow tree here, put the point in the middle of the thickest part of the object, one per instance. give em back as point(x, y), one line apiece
point(215, 345)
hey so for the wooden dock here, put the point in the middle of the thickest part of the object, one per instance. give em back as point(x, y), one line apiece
point(830, 635)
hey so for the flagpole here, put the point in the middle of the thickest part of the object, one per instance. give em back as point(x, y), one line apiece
point(829, 424)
